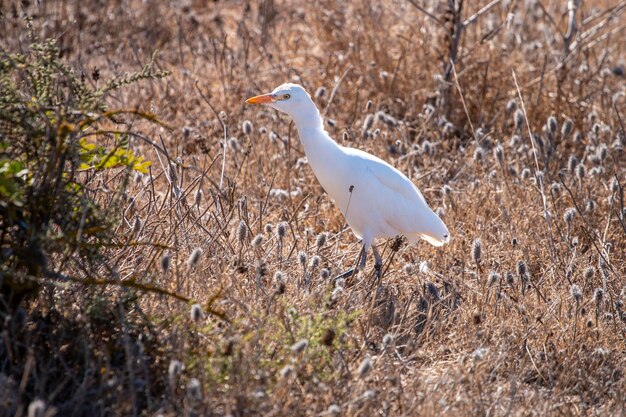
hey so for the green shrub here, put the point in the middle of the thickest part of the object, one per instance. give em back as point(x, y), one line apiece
point(56, 134)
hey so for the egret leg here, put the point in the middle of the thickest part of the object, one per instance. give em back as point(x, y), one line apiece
point(359, 262)
point(378, 262)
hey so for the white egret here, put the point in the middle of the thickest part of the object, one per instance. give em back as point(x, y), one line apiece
point(376, 199)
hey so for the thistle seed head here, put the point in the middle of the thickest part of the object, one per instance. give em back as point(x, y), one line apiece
point(511, 106)
point(299, 346)
point(566, 128)
point(174, 370)
point(598, 295)
point(247, 127)
point(242, 232)
point(572, 163)
point(365, 367)
point(302, 258)
point(194, 258)
point(576, 293)
point(498, 152)
point(281, 230)
point(494, 278)
point(477, 251)
point(196, 312)
point(552, 125)
point(479, 155)
point(581, 171)
point(325, 273)
point(257, 241)
point(166, 261)
point(315, 262)
point(321, 239)
point(518, 119)
point(286, 371)
point(569, 215)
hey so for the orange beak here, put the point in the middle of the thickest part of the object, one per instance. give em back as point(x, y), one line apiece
point(262, 99)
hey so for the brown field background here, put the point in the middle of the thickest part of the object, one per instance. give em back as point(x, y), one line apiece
point(442, 333)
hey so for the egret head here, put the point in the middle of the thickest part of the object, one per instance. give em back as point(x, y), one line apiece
point(288, 98)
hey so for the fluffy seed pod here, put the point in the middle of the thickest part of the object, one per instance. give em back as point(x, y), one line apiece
point(302, 258)
point(510, 279)
point(511, 106)
point(477, 251)
point(247, 127)
point(299, 346)
point(367, 124)
point(194, 258)
point(315, 262)
point(566, 128)
point(196, 312)
point(498, 152)
point(321, 240)
point(257, 241)
point(581, 171)
point(174, 370)
point(281, 229)
point(494, 278)
point(552, 125)
point(166, 261)
point(286, 371)
point(194, 389)
point(320, 93)
point(325, 273)
point(518, 119)
point(576, 293)
point(242, 232)
point(598, 295)
point(479, 155)
point(589, 273)
point(569, 215)
point(572, 164)
point(365, 367)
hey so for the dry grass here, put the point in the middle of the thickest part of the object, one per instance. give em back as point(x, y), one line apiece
point(461, 340)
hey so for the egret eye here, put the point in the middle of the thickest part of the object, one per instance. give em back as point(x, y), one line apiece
point(286, 96)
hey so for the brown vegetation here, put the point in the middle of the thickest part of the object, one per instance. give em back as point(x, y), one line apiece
point(219, 297)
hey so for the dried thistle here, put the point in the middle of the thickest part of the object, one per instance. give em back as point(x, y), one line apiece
point(194, 258)
point(552, 125)
point(477, 251)
point(518, 120)
point(196, 312)
point(281, 230)
point(247, 127)
point(365, 367)
point(299, 346)
point(321, 240)
point(566, 128)
point(494, 278)
point(576, 293)
point(166, 261)
point(242, 232)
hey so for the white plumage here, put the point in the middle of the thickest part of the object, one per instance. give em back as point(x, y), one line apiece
point(377, 200)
